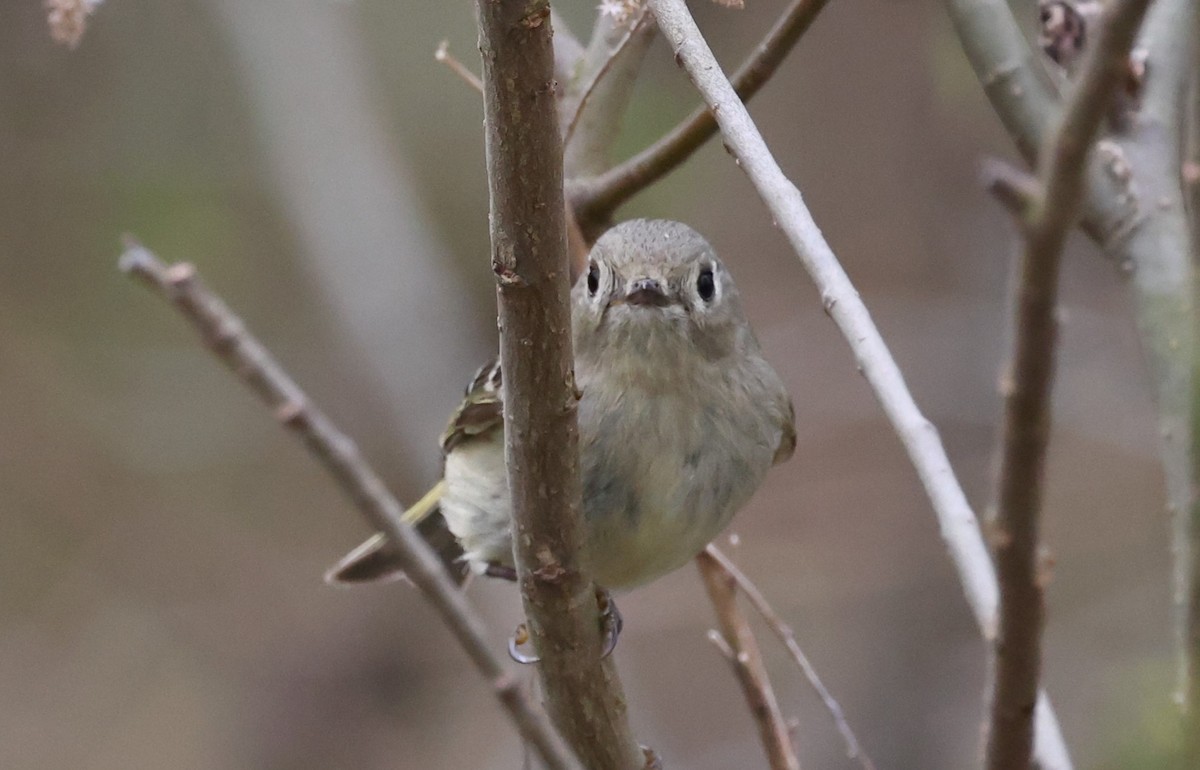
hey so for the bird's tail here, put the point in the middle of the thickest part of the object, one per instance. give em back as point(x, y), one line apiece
point(376, 560)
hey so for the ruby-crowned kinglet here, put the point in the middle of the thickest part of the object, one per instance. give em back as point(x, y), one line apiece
point(680, 418)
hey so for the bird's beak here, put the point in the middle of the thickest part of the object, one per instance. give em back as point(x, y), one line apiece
point(647, 292)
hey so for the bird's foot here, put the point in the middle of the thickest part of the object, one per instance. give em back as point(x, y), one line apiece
point(611, 624)
point(518, 640)
point(498, 570)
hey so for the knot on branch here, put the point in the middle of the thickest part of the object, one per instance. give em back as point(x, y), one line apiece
point(552, 573)
point(537, 17)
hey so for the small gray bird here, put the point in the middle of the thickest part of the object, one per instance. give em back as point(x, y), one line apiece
point(680, 418)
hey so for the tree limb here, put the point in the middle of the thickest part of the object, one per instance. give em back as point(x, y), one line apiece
point(1028, 106)
point(596, 198)
point(227, 337)
point(1131, 210)
point(1163, 286)
point(1017, 648)
point(529, 256)
point(959, 526)
point(740, 648)
point(788, 637)
point(598, 94)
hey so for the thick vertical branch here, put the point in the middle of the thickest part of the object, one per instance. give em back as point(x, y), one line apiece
point(1163, 285)
point(1017, 661)
point(958, 523)
point(529, 257)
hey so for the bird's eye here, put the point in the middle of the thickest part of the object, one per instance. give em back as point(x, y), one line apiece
point(704, 284)
point(593, 279)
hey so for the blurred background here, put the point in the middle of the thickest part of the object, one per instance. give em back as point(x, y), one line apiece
point(162, 545)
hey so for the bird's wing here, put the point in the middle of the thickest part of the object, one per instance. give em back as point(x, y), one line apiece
point(481, 410)
point(787, 435)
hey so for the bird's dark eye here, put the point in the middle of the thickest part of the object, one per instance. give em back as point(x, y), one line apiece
point(593, 279)
point(704, 284)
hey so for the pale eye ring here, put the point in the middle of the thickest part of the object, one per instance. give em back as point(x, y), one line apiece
point(706, 286)
point(593, 279)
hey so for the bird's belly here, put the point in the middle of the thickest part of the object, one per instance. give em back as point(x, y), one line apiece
point(652, 514)
point(476, 504)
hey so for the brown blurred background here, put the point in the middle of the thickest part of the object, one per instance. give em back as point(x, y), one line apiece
point(162, 541)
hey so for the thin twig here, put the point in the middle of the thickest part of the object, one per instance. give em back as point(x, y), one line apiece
point(617, 48)
point(443, 55)
point(1016, 189)
point(227, 337)
point(1017, 649)
point(635, 28)
point(785, 633)
point(959, 527)
point(741, 650)
point(598, 197)
point(529, 257)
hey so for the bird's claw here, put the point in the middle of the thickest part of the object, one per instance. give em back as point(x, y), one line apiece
point(611, 624)
point(520, 638)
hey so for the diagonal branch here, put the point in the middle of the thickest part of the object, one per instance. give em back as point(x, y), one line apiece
point(529, 257)
point(596, 198)
point(1017, 648)
point(959, 526)
point(736, 641)
point(788, 637)
point(226, 336)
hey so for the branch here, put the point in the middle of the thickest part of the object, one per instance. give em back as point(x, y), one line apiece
point(1017, 648)
point(226, 336)
point(442, 55)
point(599, 92)
point(958, 524)
point(1131, 209)
point(529, 256)
point(737, 643)
point(639, 34)
point(596, 198)
point(788, 637)
point(1160, 252)
point(1029, 107)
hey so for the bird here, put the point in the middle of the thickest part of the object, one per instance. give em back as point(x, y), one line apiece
point(680, 418)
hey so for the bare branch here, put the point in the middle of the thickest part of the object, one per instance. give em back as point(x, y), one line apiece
point(959, 526)
point(529, 257)
point(226, 336)
point(1017, 648)
point(596, 198)
point(637, 32)
point(788, 637)
point(1028, 105)
point(1017, 190)
point(443, 55)
point(604, 77)
point(741, 650)
point(1163, 285)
